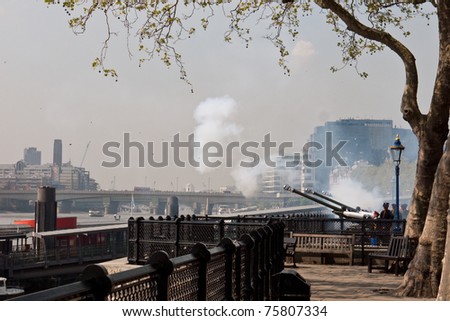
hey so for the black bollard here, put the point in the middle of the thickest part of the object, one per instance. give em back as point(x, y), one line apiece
point(45, 209)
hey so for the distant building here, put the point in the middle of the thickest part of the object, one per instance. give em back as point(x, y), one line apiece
point(346, 142)
point(21, 176)
point(32, 156)
point(29, 174)
point(57, 153)
point(74, 178)
point(287, 171)
point(307, 178)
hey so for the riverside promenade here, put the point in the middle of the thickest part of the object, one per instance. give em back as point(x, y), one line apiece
point(350, 283)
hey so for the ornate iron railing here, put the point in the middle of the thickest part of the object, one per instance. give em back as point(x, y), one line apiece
point(239, 269)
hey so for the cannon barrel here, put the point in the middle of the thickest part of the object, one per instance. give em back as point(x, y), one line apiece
point(344, 207)
point(347, 212)
point(314, 199)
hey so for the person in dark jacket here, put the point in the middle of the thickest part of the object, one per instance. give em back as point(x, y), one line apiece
point(386, 213)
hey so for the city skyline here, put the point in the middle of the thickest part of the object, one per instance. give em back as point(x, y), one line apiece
point(50, 91)
point(348, 142)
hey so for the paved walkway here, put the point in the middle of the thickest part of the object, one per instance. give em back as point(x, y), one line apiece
point(343, 283)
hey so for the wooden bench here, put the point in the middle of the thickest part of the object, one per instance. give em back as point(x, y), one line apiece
point(325, 244)
point(401, 249)
point(289, 248)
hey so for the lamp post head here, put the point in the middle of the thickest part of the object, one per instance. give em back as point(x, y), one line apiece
point(396, 150)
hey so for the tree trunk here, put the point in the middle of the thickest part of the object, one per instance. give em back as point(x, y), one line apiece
point(424, 273)
point(432, 133)
point(430, 152)
point(444, 288)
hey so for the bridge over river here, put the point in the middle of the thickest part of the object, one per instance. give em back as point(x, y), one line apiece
point(111, 200)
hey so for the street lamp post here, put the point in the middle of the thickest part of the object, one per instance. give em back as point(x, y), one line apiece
point(396, 153)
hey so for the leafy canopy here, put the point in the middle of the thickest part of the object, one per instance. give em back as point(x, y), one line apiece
point(158, 25)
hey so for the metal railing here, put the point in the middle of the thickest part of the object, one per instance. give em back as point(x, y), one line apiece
point(239, 269)
point(365, 229)
point(178, 236)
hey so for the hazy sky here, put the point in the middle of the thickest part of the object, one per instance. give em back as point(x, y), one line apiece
point(49, 90)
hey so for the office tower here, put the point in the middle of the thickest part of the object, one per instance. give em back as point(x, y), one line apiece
point(57, 153)
point(32, 156)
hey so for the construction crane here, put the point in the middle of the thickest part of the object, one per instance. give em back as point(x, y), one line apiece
point(84, 155)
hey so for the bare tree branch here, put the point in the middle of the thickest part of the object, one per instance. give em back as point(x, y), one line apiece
point(409, 106)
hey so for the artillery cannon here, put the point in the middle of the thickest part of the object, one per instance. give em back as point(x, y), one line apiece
point(336, 207)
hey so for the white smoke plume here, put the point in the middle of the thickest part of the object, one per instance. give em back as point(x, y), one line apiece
point(215, 124)
point(214, 117)
point(353, 194)
point(247, 179)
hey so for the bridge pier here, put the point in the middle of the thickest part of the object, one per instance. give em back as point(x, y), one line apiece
point(65, 206)
point(208, 208)
point(172, 206)
point(161, 206)
point(111, 207)
point(197, 207)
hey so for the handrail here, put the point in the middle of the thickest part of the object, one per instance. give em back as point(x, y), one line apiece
point(150, 281)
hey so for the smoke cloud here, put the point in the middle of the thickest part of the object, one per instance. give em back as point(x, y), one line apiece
point(214, 118)
point(247, 179)
point(214, 124)
point(352, 193)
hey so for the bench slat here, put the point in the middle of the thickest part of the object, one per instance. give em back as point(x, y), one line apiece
point(325, 244)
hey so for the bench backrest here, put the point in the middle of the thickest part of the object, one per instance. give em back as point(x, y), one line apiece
point(324, 241)
point(402, 246)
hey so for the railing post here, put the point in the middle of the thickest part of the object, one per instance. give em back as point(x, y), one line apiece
point(221, 229)
point(203, 255)
point(238, 271)
point(257, 281)
point(177, 236)
point(278, 240)
point(267, 260)
point(161, 262)
point(248, 246)
point(363, 236)
point(230, 249)
point(96, 276)
point(132, 240)
point(139, 235)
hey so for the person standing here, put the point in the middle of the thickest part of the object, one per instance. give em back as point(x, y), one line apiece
point(386, 213)
point(385, 227)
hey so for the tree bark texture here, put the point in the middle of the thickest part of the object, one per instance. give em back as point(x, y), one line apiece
point(432, 132)
point(444, 287)
point(425, 270)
